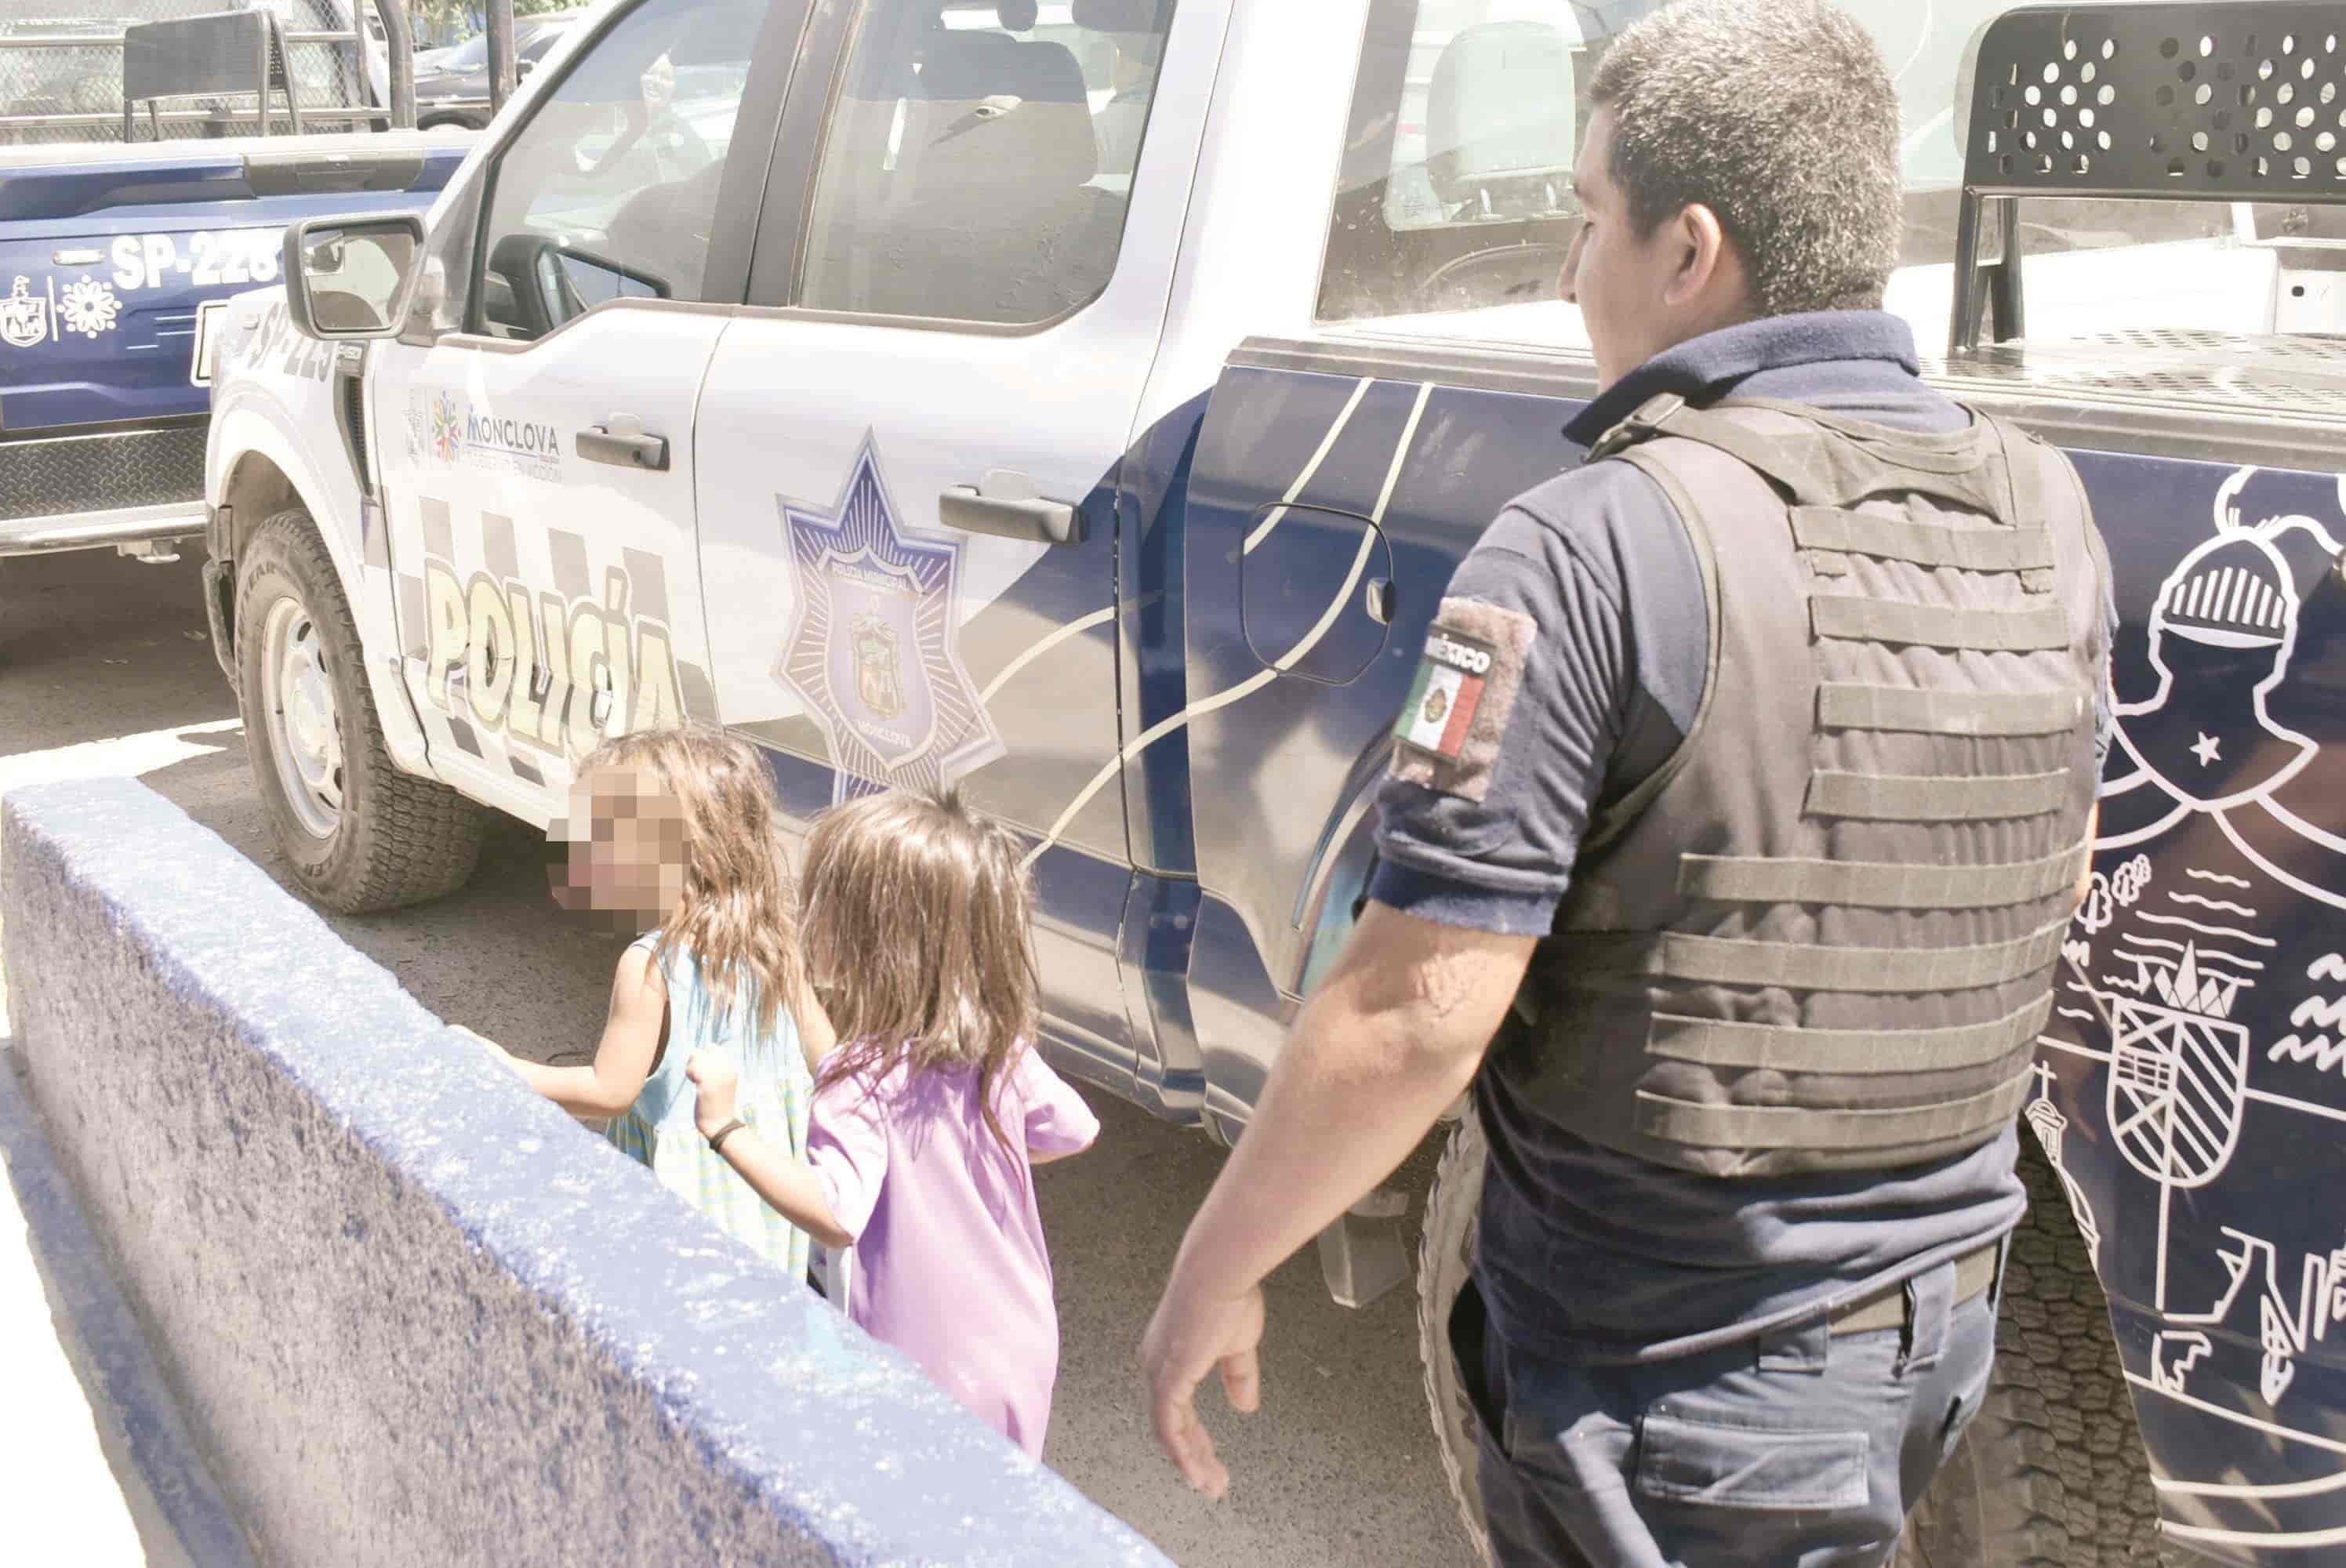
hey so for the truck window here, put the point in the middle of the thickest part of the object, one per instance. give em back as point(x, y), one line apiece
point(1455, 191)
point(610, 189)
point(1452, 203)
point(978, 157)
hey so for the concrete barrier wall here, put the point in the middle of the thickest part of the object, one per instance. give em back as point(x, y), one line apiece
point(416, 1314)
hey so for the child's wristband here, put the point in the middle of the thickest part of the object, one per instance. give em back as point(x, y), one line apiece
point(717, 1139)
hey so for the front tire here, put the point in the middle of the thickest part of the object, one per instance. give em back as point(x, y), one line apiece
point(359, 835)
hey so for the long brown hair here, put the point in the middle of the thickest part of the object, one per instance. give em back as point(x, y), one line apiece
point(920, 916)
point(739, 917)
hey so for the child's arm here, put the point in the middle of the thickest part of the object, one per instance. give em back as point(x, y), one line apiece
point(623, 1060)
point(816, 1036)
point(788, 1187)
point(1057, 1122)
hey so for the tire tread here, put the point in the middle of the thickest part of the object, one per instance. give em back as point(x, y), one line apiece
point(415, 839)
point(2051, 1473)
point(1445, 1250)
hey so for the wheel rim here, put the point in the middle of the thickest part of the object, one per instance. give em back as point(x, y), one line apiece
point(305, 731)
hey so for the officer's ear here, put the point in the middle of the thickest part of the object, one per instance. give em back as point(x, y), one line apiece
point(1705, 269)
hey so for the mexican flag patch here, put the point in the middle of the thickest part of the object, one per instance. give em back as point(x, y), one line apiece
point(1443, 700)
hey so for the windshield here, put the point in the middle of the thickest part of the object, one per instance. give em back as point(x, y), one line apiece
point(531, 39)
point(471, 54)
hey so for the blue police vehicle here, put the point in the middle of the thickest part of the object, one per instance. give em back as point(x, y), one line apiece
point(123, 236)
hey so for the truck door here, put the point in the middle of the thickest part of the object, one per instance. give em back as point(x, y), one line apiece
point(538, 465)
point(909, 444)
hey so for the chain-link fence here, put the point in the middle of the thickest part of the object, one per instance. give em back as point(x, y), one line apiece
point(61, 71)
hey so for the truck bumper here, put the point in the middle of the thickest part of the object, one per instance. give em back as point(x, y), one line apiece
point(90, 487)
point(125, 527)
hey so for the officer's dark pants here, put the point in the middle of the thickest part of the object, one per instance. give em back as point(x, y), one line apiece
point(1805, 1448)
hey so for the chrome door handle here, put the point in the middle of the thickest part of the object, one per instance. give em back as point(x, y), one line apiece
point(622, 441)
point(1045, 522)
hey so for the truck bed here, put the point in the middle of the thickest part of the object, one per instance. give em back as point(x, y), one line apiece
point(2203, 396)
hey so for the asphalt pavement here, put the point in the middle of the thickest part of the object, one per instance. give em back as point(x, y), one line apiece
point(105, 671)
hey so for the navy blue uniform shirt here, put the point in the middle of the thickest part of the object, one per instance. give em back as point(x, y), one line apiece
point(1587, 1253)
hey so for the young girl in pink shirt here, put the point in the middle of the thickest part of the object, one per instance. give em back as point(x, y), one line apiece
point(931, 1114)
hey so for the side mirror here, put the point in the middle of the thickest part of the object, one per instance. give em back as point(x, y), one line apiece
point(350, 277)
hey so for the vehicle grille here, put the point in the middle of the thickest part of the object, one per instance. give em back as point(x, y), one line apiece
point(64, 476)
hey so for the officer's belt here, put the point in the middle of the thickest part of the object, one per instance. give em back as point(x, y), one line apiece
point(1975, 1272)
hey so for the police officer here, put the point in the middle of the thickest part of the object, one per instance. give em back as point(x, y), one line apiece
point(1739, 899)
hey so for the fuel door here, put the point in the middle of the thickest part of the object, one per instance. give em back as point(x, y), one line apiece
point(1315, 591)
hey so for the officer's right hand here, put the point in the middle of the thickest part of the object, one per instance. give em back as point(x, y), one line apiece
point(1190, 1335)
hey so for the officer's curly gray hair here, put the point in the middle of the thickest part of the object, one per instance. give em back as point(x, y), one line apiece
point(1779, 116)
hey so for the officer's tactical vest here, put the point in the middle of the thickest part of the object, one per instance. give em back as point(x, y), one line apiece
point(1824, 934)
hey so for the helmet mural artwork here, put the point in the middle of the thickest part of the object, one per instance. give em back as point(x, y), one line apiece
point(2224, 625)
point(2234, 591)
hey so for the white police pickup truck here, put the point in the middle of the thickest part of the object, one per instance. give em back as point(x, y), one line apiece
point(1089, 409)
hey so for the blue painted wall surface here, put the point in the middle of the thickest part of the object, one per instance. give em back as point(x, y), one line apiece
point(176, 1504)
point(418, 1313)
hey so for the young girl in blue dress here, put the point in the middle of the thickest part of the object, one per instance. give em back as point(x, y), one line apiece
point(677, 829)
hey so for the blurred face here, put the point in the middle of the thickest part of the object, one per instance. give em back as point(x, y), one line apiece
point(1640, 295)
point(623, 861)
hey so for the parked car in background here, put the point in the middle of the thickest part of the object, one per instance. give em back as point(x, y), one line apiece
point(116, 259)
point(453, 87)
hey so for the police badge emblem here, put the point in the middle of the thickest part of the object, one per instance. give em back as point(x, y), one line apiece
point(872, 649)
point(24, 317)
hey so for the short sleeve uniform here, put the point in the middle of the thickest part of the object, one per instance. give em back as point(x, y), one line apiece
point(1586, 594)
